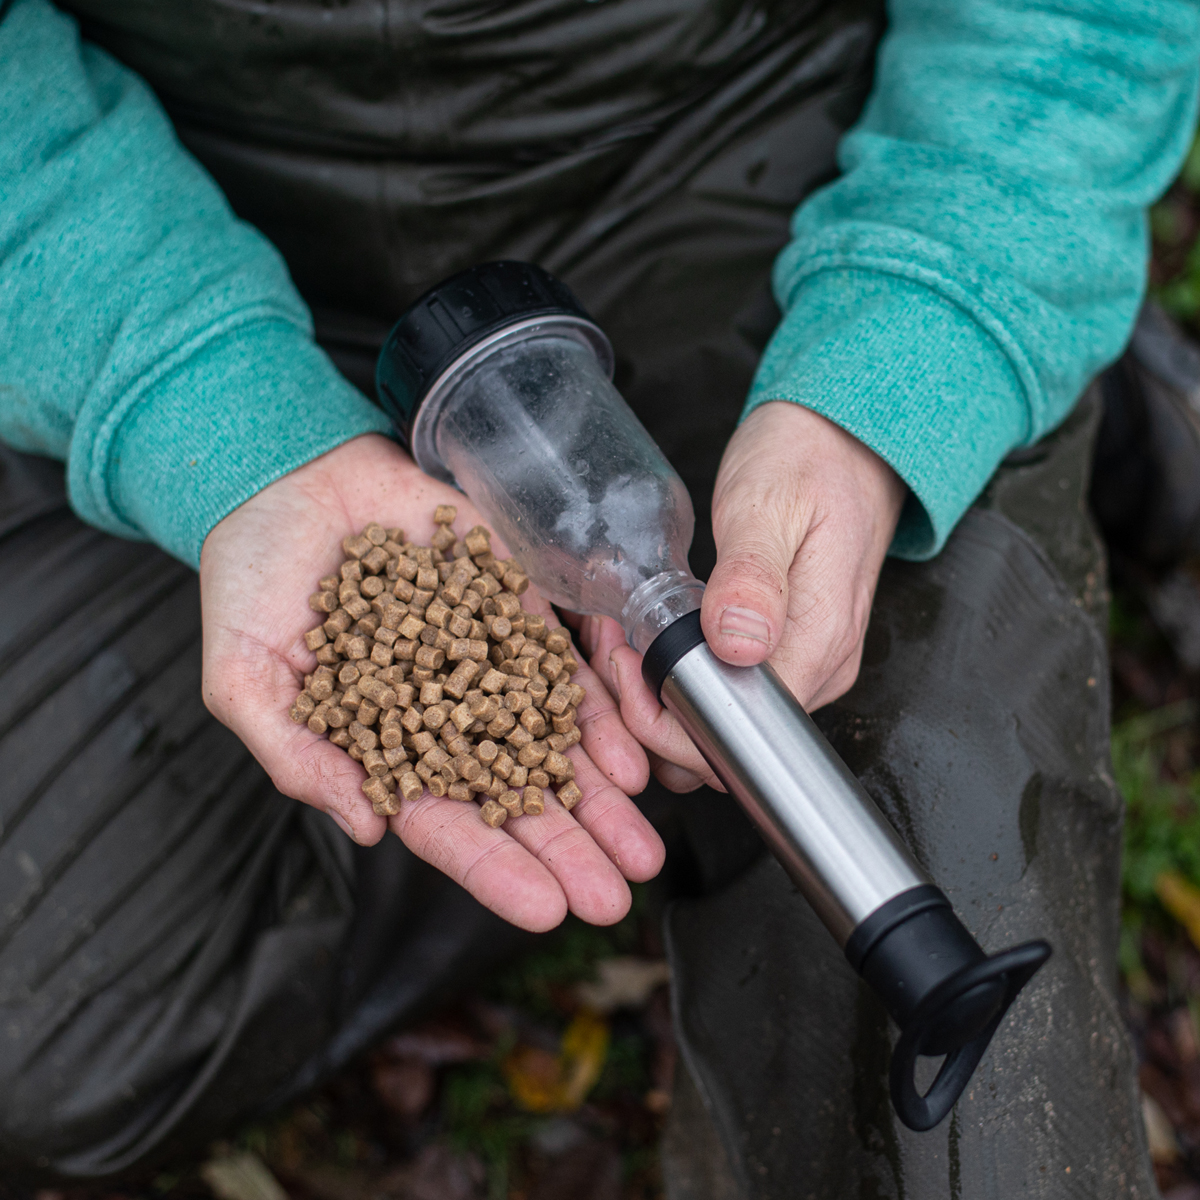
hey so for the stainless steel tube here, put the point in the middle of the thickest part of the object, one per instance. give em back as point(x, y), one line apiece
point(815, 816)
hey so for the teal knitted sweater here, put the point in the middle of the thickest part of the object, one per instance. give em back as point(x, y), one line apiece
point(945, 300)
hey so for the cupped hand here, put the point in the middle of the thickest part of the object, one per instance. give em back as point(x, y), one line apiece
point(803, 515)
point(257, 570)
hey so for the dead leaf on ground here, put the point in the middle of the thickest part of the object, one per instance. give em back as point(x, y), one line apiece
point(1160, 1134)
point(623, 982)
point(1182, 900)
point(404, 1086)
point(542, 1082)
point(241, 1176)
point(437, 1042)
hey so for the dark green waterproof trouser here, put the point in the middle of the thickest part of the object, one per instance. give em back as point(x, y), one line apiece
point(180, 946)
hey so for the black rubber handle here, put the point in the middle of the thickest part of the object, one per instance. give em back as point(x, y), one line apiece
point(1013, 969)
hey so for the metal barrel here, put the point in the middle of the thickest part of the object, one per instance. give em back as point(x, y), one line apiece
point(817, 819)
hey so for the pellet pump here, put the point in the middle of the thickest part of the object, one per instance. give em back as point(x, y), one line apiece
point(499, 383)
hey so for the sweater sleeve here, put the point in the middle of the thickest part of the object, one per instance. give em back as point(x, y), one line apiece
point(984, 252)
point(151, 340)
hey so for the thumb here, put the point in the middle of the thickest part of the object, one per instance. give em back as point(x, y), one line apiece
point(745, 603)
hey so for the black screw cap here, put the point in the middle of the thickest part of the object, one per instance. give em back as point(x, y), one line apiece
point(453, 316)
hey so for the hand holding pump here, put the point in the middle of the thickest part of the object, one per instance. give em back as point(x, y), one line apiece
point(500, 383)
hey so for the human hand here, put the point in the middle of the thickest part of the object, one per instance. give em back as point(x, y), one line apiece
point(257, 569)
point(803, 514)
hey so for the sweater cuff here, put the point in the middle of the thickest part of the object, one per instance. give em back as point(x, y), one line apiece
point(910, 375)
point(245, 408)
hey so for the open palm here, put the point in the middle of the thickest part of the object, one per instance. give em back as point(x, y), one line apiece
point(257, 569)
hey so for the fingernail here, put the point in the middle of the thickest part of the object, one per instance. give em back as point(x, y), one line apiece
point(745, 622)
point(342, 824)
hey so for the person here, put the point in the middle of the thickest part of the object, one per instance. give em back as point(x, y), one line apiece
point(180, 944)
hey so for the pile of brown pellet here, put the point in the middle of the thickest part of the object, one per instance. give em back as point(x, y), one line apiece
point(434, 678)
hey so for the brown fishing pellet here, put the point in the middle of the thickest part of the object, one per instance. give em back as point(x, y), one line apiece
point(375, 789)
point(563, 741)
point(558, 641)
point(321, 687)
point(429, 657)
point(375, 762)
point(460, 679)
point(539, 778)
point(559, 765)
point(533, 720)
point(532, 754)
point(561, 724)
point(533, 801)
point(423, 741)
point(493, 814)
point(520, 737)
point(569, 795)
point(410, 786)
point(303, 708)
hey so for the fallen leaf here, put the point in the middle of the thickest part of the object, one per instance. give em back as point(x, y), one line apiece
point(241, 1177)
point(1182, 900)
point(534, 1077)
point(584, 1050)
point(623, 983)
point(438, 1042)
point(405, 1086)
point(1159, 1133)
point(540, 1081)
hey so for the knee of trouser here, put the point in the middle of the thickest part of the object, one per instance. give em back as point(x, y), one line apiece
point(64, 1103)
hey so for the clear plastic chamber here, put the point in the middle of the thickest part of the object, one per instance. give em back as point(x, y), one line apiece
point(529, 426)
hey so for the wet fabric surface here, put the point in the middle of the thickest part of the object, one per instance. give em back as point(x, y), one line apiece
point(176, 938)
point(980, 725)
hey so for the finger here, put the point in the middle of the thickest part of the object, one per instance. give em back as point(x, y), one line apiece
point(673, 778)
point(321, 774)
point(757, 531)
point(616, 824)
point(606, 636)
point(255, 690)
point(656, 729)
point(608, 743)
point(595, 889)
point(493, 866)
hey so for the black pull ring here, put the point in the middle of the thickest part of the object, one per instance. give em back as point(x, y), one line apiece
point(1012, 969)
